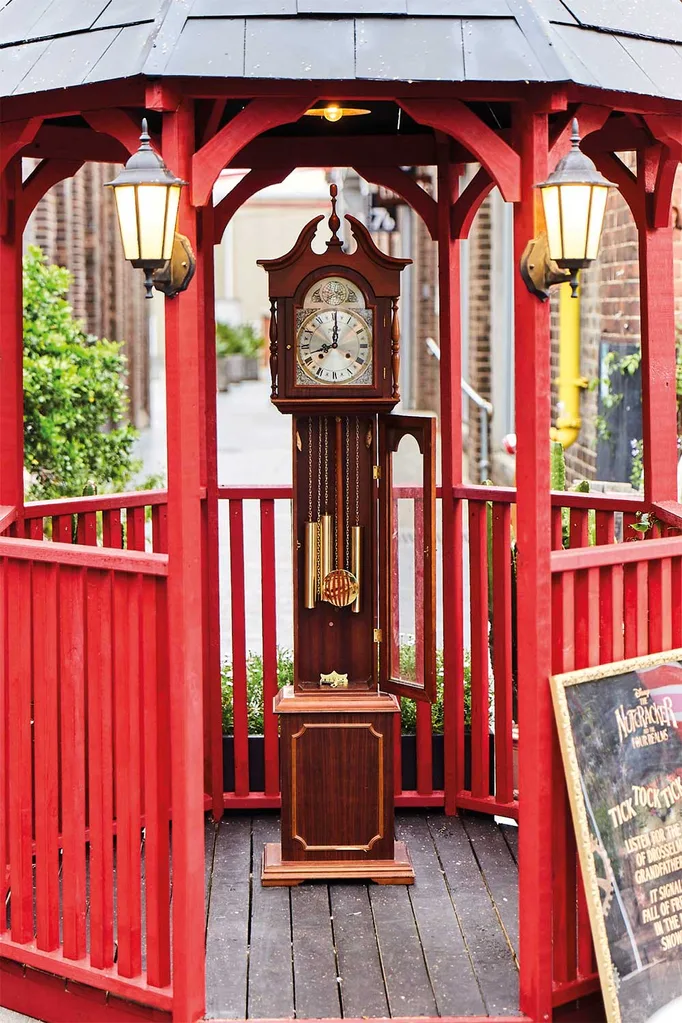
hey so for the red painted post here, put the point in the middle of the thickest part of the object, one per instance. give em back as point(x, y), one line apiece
point(532, 387)
point(659, 404)
point(185, 624)
point(268, 573)
point(213, 732)
point(450, 329)
point(11, 353)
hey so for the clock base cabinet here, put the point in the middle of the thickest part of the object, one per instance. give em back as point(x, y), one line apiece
point(337, 790)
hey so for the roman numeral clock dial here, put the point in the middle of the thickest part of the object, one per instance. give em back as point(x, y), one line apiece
point(334, 346)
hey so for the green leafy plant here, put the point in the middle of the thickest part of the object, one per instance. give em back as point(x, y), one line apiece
point(75, 396)
point(285, 676)
point(242, 339)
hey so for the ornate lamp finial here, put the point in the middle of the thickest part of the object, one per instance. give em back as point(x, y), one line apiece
point(334, 222)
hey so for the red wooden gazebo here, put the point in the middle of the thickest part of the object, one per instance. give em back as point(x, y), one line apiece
point(109, 674)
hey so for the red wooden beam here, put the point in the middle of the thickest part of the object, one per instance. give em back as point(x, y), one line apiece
point(615, 170)
point(340, 151)
point(533, 527)
point(11, 333)
point(578, 558)
point(457, 120)
point(259, 116)
point(404, 185)
point(450, 333)
point(249, 185)
point(467, 205)
point(185, 586)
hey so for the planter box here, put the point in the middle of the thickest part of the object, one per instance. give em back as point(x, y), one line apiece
point(222, 374)
point(250, 367)
point(235, 368)
point(409, 762)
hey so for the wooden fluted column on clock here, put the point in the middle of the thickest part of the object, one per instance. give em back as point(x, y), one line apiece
point(532, 391)
point(185, 619)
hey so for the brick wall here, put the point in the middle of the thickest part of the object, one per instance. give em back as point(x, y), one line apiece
point(425, 369)
point(75, 225)
point(610, 310)
point(478, 370)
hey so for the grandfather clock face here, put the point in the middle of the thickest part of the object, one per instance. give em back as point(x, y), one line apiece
point(334, 336)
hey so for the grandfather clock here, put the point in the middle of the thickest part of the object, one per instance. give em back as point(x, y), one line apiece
point(335, 367)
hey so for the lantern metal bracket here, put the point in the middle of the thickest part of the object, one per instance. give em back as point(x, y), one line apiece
point(539, 272)
point(177, 272)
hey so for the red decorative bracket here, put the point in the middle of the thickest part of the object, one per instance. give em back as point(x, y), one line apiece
point(251, 183)
point(46, 174)
point(117, 123)
point(14, 135)
point(407, 188)
point(466, 206)
point(457, 120)
point(590, 119)
point(260, 115)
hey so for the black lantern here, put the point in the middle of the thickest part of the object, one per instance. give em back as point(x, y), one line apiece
point(574, 202)
point(147, 200)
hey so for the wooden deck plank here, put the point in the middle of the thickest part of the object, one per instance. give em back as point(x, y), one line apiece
point(490, 952)
point(362, 982)
point(449, 965)
point(499, 872)
point(228, 921)
point(316, 988)
point(407, 982)
point(271, 977)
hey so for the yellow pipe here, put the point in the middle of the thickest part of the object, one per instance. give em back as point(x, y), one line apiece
point(569, 382)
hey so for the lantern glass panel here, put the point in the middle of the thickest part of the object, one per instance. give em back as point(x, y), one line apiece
point(152, 210)
point(575, 212)
point(550, 202)
point(171, 220)
point(127, 219)
point(597, 210)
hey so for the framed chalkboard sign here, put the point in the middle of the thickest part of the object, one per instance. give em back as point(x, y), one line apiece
point(620, 729)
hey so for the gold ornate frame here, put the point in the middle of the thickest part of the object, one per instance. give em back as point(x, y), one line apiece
point(559, 684)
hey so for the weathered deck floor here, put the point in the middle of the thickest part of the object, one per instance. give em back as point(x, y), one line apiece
point(443, 947)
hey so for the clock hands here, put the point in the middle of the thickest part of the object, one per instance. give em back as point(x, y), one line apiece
point(335, 331)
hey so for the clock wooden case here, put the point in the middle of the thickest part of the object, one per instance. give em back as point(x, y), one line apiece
point(335, 366)
point(363, 286)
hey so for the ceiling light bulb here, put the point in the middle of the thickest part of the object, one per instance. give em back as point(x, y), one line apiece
point(333, 112)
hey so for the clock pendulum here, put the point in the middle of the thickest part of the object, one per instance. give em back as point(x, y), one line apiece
point(335, 362)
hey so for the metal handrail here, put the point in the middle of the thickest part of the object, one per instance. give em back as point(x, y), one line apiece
point(485, 414)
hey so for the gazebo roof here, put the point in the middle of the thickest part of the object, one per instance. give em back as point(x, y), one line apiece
point(630, 46)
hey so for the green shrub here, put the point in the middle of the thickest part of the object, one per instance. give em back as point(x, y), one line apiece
point(285, 676)
point(240, 340)
point(75, 394)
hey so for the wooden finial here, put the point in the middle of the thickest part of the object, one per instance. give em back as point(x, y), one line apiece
point(334, 222)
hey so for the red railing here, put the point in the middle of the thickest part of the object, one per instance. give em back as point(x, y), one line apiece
point(133, 522)
point(84, 751)
point(608, 603)
point(256, 615)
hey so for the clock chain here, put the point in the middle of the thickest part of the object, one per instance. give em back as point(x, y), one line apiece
point(310, 469)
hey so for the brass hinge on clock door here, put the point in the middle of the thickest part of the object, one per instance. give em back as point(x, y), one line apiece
point(378, 636)
point(376, 472)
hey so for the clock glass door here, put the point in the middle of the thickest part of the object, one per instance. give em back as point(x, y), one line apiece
point(407, 532)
